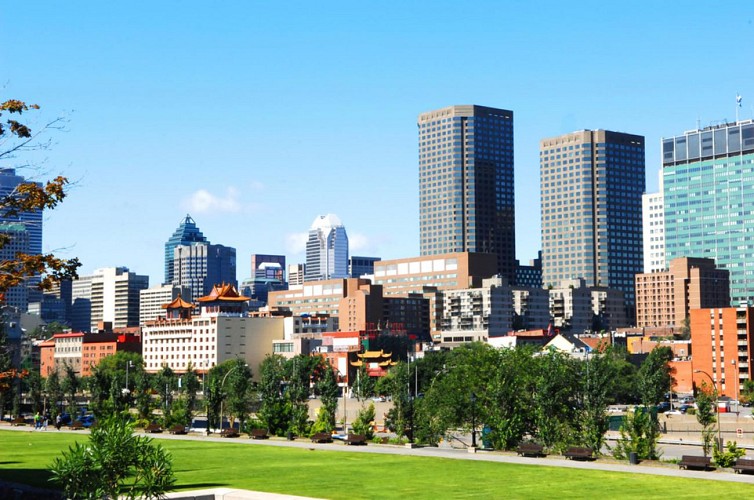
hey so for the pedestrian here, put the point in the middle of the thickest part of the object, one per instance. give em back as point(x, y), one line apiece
point(45, 419)
point(37, 421)
point(58, 421)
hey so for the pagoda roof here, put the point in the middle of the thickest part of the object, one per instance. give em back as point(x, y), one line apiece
point(178, 303)
point(375, 354)
point(225, 293)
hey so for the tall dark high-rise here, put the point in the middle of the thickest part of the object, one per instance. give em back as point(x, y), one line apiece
point(186, 234)
point(591, 185)
point(466, 195)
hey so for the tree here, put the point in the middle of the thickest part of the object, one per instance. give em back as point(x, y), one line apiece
point(114, 464)
point(55, 393)
point(597, 385)
point(654, 377)
point(327, 388)
point(555, 404)
point(238, 390)
point(364, 422)
point(143, 396)
point(16, 138)
point(747, 392)
point(70, 387)
point(638, 434)
point(35, 391)
point(166, 382)
point(706, 399)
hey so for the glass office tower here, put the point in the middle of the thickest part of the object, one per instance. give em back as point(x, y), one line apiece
point(466, 196)
point(591, 184)
point(708, 186)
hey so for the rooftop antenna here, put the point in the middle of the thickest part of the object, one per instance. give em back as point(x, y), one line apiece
point(738, 104)
point(698, 123)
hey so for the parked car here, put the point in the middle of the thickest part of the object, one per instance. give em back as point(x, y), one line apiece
point(663, 407)
point(685, 408)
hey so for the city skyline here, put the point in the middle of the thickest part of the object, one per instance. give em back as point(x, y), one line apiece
point(222, 111)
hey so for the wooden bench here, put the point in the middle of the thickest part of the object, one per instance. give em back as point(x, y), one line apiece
point(18, 421)
point(322, 437)
point(153, 428)
point(531, 450)
point(744, 465)
point(178, 429)
point(258, 434)
point(579, 453)
point(230, 432)
point(76, 426)
point(695, 462)
point(356, 439)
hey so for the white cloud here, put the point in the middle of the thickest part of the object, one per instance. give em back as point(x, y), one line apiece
point(257, 186)
point(295, 243)
point(357, 242)
point(203, 202)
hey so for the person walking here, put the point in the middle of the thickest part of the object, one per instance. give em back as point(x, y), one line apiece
point(58, 421)
point(37, 421)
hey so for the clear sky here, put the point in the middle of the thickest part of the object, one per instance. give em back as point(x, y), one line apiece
point(255, 117)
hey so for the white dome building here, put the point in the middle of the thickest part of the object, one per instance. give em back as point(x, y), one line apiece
point(326, 249)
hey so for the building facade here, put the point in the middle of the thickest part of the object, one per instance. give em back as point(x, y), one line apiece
point(591, 186)
point(268, 266)
point(721, 343)
point(708, 186)
point(152, 299)
point(326, 250)
point(186, 234)
point(360, 266)
point(665, 298)
point(653, 230)
point(466, 192)
point(479, 313)
point(531, 308)
point(17, 242)
point(201, 266)
point(109, 295)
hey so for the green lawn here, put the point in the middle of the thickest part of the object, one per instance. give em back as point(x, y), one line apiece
point(25, 455)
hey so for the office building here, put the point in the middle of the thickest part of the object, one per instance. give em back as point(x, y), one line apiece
point(531, 275)
point(268, 267)
point(531, 308)
point(466, 195)
point(296, 274)
point(109, 295)
point(201, 266)
point(361, 266)
point(32, 221)
point(17, 242)
point(591, 186)
point(151, 300)
point(721, 343)
point(326, 250)
point(708, 186)
point(653, 230)
point(186, 234)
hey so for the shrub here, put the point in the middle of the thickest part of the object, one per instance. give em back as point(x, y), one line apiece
point(727, 457)
point(364, 423)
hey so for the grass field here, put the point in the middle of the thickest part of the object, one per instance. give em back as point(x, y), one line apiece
point(24, 457)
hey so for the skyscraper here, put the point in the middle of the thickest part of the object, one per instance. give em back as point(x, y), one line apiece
point(708, 186)
point(9, 181)
point(201, 266)
point(18, 242)
point(326, 250)
point(186, 234)
point(466, 197)
point(591, 186)
point(109, 295)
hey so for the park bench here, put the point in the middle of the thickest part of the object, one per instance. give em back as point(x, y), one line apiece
point(695, 462)
point(153, 428)
point(322, 437)
point(743, 465)
point(258, 434)
point(18, 421)
point(230, 432)
point(531, 450)
point(579, 453)
point(76, 425)
point(178, 429)
point(356, 439)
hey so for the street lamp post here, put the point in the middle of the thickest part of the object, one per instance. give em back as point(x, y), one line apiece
point(717, 407)
point(222, 384)
point(737, 381)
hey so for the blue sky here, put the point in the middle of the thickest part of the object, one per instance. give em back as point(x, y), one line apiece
point(255, 117)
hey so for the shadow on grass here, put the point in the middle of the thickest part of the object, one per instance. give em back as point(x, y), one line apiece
point(199, 486)
point(36, 478)
point(6, 463)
